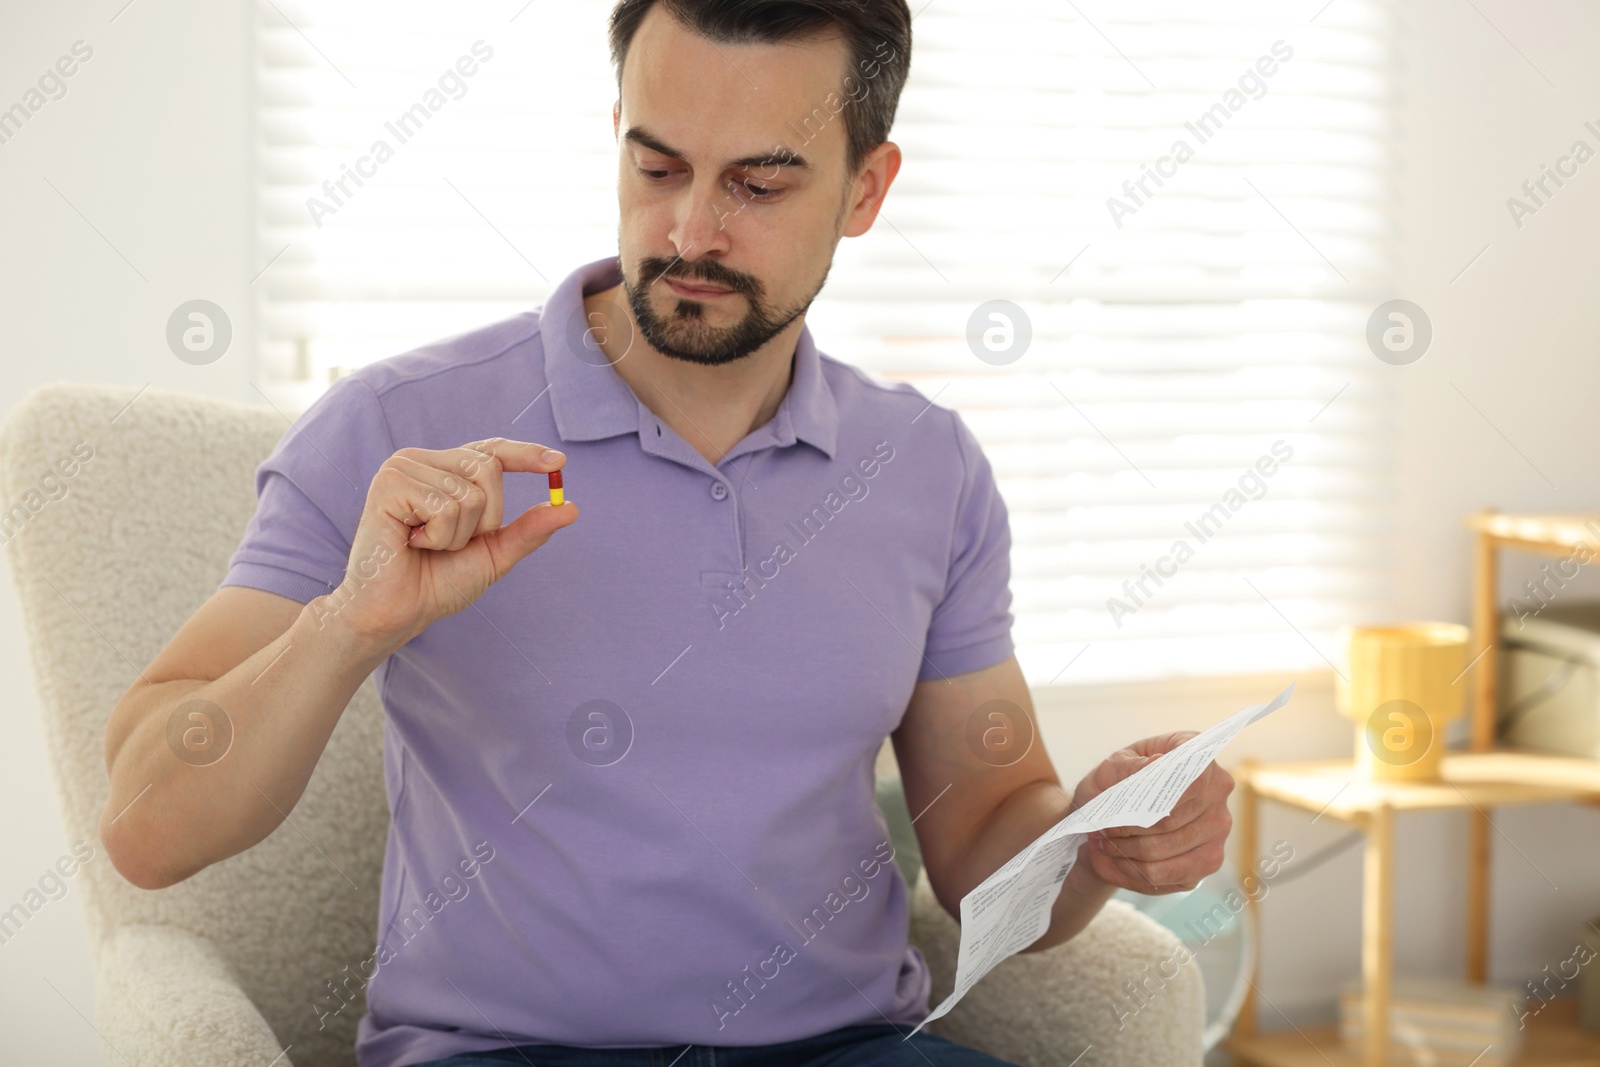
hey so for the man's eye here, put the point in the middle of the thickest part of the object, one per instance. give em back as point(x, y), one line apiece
point(657, 175)
point(757, 192)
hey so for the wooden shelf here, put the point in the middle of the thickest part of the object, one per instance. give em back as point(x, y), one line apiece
point(1476, 782)
point(1499, 778)
point(1488, 776)
point(1548, 534)
point(1553, 1039)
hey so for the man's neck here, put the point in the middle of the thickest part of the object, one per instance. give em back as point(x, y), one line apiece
point(712, 408)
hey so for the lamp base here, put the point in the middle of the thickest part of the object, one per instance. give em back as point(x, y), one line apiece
point(1380, 758)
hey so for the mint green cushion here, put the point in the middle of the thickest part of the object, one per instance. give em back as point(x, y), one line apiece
point(902, 835)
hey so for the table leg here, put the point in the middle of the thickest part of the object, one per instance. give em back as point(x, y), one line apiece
point(1377, 932)
point(1246, 832)
point(1477, 896)
point(1485, 636)
point(1485, 682)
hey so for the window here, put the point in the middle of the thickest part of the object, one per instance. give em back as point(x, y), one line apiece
point(1189, 203)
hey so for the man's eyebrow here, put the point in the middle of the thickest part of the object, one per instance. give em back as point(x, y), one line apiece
point(780, 155)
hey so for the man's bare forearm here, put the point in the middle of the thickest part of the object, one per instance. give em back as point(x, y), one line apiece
point(1010, 828)
point(171, 813)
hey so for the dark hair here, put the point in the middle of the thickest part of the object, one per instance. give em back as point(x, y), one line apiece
point(877, 33)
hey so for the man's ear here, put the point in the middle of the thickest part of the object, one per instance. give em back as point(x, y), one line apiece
point(616, 116)
point(871, 185)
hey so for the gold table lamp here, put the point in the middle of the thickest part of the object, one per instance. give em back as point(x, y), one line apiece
point(1403, 688)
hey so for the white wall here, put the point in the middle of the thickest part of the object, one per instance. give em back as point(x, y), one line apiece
point(1519, 335)
point(152, 145)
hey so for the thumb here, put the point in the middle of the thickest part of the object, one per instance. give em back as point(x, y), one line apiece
point(510, 544)
point(1127, 766)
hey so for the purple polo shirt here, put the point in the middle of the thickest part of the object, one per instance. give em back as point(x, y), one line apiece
point(631, 786)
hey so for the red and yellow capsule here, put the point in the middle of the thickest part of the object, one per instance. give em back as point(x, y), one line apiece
point(555, 489)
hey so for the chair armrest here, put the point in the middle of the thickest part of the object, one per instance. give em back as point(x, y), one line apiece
point(166, 997)
point(1121, 987)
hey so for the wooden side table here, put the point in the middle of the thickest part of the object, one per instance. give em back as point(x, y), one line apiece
point(1468, 780)
point(1550, 535)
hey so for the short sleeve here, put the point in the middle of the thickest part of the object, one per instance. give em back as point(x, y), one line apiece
point(310, 493)
point(971, 627)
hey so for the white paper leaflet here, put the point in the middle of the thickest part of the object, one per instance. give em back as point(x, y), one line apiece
point(1011, 909)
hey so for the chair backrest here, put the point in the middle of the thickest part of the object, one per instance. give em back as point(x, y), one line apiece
point(108, 562)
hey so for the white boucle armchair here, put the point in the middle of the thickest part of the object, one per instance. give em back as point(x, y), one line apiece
point(240, 963)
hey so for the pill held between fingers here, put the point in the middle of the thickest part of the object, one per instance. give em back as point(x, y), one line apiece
point(556, 495)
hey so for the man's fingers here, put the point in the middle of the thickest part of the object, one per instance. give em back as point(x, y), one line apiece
point(1209, 790)
point(473, 499)
point(1107, 773)
point(1117, 766)
point(471, 475)
point(1155, 746)
point(521, 455)
point(1183, 870)
point(432, 515)
point(1180, 849)
point(1127, 874)
point(1207, 793)
point(1211, 785)
point(529, 531)
point(468, 466)
point(458, 493)
point(1212, 824)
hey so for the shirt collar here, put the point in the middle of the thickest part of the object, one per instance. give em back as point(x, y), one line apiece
point(591, 402)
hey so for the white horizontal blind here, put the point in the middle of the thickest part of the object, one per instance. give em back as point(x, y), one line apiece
point(1169, 354)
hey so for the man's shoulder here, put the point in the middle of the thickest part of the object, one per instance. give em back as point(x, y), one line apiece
point(500, 349)
point(849, 382)
point(865, 399)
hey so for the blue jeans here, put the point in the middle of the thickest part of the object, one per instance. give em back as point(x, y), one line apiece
point(852, 1046)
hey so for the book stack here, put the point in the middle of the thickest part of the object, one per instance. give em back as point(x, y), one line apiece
point(1438, 1022)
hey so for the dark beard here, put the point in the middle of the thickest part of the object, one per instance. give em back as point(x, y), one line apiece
point(686, 336)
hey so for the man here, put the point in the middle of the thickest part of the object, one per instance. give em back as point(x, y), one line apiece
point(631, 775)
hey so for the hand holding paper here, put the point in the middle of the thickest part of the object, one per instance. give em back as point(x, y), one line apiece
point(1178, 851)
point(1011, 908)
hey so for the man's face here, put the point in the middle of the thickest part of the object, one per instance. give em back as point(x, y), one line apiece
point(731, 184)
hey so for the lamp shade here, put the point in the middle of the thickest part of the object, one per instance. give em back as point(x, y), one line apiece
point(1402, 686)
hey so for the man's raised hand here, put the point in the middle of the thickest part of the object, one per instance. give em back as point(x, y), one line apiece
point(432, 536)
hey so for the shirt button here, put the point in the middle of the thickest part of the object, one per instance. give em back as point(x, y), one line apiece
point(719, 491)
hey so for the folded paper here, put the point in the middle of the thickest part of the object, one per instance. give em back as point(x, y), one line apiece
point(1011, 908)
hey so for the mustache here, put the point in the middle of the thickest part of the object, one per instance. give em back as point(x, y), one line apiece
point(705, 270)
